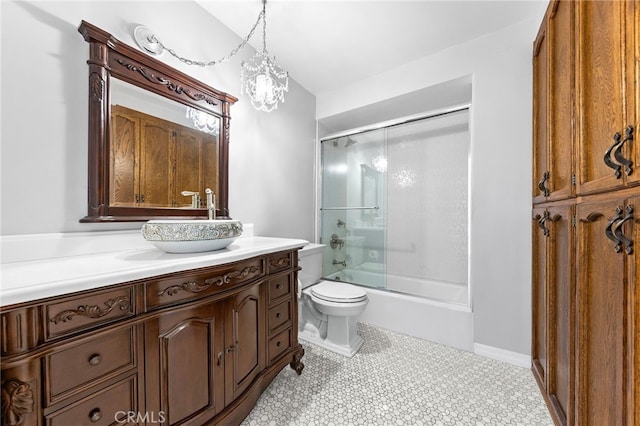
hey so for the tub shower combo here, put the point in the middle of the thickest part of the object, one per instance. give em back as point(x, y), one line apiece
point(394, 219)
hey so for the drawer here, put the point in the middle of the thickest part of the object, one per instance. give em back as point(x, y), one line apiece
point(88, 311)
point(280, 287)
point(279, 314)
point(186, 287)
point(279, 343)
point(107, 406)
point(97, 359)
point(279, 262)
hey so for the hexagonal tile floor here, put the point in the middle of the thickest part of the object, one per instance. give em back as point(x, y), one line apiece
point(400, 380)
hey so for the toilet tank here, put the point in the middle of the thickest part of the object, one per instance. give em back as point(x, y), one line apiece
point(310, 260)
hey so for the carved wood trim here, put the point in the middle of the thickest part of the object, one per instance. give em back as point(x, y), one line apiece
point(170, 85)
point(17, 400)
point(93, 311)
point(592, 217)
point(219, 281)
point(281, 262)
point(96, 87)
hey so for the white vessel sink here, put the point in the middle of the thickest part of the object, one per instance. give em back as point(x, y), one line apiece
point(191, 236)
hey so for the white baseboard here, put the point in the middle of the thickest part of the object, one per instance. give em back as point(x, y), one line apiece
point(515, 358)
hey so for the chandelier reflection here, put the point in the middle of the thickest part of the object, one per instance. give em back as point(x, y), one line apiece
point(204, 122)
point(404, 178)
point(379, 163)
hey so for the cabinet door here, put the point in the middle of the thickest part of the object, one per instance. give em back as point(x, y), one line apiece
point(632, 228)
point(125, 140)
point(560, 309)
point(540, 114)
point(210, 164)
point(245, 341)
point(157, 162)
point(184, 365)
point(603, 358)
point(189, 177)
point(601, 73)
point(633, 79)
point(539, 297)
point(560, 99)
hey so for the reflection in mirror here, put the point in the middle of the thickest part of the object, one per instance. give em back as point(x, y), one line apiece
point(163, 154)
point(157, 137)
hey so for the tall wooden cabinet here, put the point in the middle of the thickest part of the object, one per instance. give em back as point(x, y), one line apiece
point(586, 196)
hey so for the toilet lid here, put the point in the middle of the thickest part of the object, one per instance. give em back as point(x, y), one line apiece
point(338, 292)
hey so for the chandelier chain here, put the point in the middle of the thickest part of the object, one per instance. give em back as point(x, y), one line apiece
point(264, 26)
point(261, 17)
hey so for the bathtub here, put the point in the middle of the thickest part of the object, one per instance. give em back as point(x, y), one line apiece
point(440, 313)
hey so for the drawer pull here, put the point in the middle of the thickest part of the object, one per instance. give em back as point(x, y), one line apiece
point(95, 415)
point(278, 315)
point(278, 286)
point(279, 343)
point(95, 359)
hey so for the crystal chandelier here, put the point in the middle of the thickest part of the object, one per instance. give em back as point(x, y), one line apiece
point(261, 78)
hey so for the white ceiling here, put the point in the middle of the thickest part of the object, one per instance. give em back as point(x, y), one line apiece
point(328, 44)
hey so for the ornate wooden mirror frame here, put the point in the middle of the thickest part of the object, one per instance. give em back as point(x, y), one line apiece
point(110, 58)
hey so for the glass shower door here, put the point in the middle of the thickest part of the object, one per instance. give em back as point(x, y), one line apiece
point(353, 208)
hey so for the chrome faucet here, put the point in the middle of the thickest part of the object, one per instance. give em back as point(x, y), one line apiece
point(211, 203)
point(195, 198)
point(336, 242)
point(337, 262)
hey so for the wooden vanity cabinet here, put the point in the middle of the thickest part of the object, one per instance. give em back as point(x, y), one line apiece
point(190, 348)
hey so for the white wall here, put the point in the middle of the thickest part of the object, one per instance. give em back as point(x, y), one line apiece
point(500, 244)
point(44, 117)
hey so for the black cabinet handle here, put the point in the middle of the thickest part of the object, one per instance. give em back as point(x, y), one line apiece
point(542, 184)
point(542, 222)
point(609, 232)
point(628, 137)
point(617, 139)
point(616, 148)
point(617, 231)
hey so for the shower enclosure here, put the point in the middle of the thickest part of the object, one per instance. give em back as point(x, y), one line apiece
point(394, 212)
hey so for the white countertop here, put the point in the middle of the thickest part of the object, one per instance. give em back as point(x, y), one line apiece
point(37, 279)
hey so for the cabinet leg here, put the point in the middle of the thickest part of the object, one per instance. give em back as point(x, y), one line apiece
point(297, 364)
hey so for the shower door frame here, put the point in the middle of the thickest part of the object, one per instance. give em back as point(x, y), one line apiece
point(382, 125)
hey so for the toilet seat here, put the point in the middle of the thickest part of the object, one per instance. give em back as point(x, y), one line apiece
point(331, 291)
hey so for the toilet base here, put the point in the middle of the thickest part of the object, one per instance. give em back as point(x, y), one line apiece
point(342, 336)
point(348, 351)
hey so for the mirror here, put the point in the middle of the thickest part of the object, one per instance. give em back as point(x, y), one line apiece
point(157, 137)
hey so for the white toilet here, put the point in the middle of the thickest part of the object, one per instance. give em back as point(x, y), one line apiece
point(327, 309)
